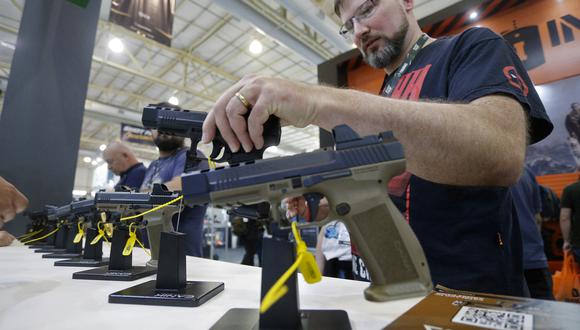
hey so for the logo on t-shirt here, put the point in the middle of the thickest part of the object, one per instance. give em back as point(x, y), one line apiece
point(515, 80)
point(410, 85)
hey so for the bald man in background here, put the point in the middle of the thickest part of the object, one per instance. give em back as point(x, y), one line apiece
point(123, 163)
point(12, 202)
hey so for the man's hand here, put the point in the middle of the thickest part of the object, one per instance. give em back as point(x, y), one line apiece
point(12, 201)
point(5, 238)
point(287, 100)
point(297, 206)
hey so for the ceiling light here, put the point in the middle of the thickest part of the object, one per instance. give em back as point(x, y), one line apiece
point(94, 162)
point(79, 192)
point(116, 45)
point(256, 47)
point(87, 159)
point(7, 45)
point(173, 100)
point(102, 147)
point(473, 15)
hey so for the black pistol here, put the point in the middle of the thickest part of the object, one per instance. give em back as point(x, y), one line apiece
point(188, 123)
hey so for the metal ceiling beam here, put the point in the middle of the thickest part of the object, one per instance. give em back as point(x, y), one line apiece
point(223, 21)
point(245, 12)
point(110, 113)
point(145, 76)
point(177, 52)
point(317, 19)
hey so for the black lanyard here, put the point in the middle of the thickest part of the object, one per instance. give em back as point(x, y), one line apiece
point(394, 78)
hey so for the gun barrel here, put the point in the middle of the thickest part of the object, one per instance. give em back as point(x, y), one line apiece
point(173, 121)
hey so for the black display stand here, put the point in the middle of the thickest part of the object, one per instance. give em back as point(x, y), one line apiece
point(92, 255)
point(171, 287)
point(59, 240)
point(277, 256)
point(72, 249)
point(120, 267)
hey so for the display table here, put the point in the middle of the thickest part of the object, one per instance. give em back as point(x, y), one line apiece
point(34, 294)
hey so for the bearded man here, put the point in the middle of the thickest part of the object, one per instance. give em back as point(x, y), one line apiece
point(463, 108)
point(167, 169)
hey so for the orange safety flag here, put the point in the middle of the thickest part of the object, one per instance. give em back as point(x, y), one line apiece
point(567, 282)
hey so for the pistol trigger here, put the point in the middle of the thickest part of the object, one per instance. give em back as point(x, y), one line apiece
point(313, 200)
point(216, 149)
point(226, 156)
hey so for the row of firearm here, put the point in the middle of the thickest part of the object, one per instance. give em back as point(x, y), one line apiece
point(352, 176)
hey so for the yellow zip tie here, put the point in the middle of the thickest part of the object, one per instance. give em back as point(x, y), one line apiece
point(211, 164)
point(100, 235)
point(144, 249)
point(128, 249)
point(131, 241)
point(29, 235)
point(43, 237)
point(153, 209)
point(304, 261)
point(81, 233)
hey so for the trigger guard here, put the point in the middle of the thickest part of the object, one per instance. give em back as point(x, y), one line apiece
point(215, 150)
point(225, 157)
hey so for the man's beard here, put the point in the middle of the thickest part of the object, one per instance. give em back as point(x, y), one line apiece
point(168, 143)
point(381, 58)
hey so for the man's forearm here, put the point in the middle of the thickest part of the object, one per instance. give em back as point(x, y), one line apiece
point(481, 143)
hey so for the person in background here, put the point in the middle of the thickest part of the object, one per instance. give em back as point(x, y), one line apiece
point(122, 162)
point(12, 202)
point(167, 169)
point(333, 251)
point(570, 219)
point(572, 124)
point(527, 200)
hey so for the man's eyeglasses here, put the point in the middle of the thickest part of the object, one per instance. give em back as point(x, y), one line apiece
point(363, 12)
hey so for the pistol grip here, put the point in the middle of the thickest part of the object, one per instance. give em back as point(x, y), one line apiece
point(388, 246)
point(156, 223)
point(390, 250)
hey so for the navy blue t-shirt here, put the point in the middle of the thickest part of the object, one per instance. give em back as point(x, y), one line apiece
point(132, 177)
point(191, 219)
point(470, 235)
point(526, 195)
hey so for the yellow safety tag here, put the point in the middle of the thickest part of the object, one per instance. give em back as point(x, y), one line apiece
point(100, 235)
point(309, 269)
point(131, 241)
point(80, 234)
point(305, 262)
point(109, 229)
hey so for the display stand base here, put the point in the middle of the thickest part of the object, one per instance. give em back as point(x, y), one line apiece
point(39, 246)
point(104, 274)
point(82, 262)
point(50, 250)
point(193, 295)
point(63, 255)
point(249, 318)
